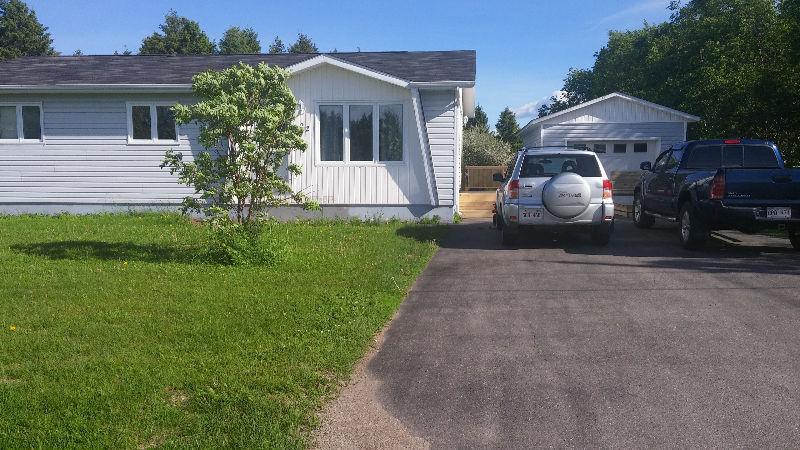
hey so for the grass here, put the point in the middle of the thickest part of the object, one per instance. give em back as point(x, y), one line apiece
point(114, 336)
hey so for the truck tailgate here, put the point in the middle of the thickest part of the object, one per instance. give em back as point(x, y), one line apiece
point(762, 187)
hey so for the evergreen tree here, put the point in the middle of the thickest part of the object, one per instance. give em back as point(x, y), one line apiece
point(277, 46)
point(304, 44)
point(21, 34)
point(508, 129)
point(479, 122)
point(239, 41)
point(178, 36)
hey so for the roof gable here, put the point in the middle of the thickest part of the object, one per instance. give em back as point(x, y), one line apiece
point(615, 107)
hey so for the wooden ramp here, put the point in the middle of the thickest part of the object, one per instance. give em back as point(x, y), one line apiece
point(476, 205)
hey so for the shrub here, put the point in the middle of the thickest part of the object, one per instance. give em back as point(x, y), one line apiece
point(249, 243)
point(483, 149)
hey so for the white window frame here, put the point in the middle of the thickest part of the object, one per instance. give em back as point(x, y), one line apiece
point(153, 124)
point(346, 133)
point(20, 138)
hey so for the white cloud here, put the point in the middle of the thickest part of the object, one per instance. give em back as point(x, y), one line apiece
point(635, 11)
point(530, 110)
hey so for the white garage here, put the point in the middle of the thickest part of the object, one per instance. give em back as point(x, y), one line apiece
point(622, 129)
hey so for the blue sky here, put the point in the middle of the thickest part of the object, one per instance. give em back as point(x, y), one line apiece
point(524, 47)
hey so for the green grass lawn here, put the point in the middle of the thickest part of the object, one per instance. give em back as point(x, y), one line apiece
point(113, 335)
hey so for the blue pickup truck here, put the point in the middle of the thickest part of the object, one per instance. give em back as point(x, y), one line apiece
point(719, 184)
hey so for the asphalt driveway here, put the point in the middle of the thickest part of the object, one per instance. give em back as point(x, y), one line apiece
point(560, 343)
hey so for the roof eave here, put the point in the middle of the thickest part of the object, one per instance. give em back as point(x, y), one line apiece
point(92, 88)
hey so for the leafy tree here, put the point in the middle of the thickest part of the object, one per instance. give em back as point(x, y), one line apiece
point(277, 46)
point(178, 36)
point(577, 89)
point(507, 129)
point(480, 122)
point(239, 41)
point(78, 52)
point(483, 149)
point(246, 116)
point(21, 33)
point(304, 44)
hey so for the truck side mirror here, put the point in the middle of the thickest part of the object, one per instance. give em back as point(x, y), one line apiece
point(646, 166)
point(497, 176)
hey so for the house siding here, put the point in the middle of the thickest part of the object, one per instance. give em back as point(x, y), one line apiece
point(86, 159)
point(668, 132)
point(440, 110)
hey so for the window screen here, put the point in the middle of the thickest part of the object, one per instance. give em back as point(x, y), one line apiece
point(704, 157)
point(331, 133)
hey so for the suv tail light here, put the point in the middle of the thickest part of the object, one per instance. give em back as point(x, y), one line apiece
point(718, 187)
point(513, 189)
point(607, 188)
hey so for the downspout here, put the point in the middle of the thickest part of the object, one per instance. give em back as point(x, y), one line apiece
point(423, 143)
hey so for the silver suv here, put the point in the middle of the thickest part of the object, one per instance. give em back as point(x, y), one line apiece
point(555, 187)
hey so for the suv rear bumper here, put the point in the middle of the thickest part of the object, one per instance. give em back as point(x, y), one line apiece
point(718, 215)
point(595, 214)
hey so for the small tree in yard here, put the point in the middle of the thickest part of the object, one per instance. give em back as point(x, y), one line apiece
point(246, 116)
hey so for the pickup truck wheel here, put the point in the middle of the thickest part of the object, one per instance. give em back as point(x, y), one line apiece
point(640, 218)
point(794, 236)
point(601, 234)
point(509, 237)
point(693, 231)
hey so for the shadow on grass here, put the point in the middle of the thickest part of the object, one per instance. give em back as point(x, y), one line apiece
point(424, 233)
point(112, 251)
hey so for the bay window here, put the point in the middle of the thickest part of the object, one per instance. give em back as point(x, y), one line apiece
point(350, 133)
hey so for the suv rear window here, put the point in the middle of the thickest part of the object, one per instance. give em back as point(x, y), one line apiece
point(552, 165)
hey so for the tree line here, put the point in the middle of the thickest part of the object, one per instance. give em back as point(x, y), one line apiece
point(734, 63)
point(482, 147)
point(21, 34)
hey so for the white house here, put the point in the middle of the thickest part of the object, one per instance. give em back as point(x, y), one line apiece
point(622, 129)
point(87, 133)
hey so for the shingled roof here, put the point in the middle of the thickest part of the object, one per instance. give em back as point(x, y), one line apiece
point(414, 67)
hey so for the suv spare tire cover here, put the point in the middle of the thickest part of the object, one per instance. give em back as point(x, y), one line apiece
point(566, 195)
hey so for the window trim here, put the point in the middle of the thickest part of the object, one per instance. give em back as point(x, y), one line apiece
point(20, 135)
point(153, 124)
point(346, 162)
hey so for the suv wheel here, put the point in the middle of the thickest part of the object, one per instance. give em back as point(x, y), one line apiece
point(694, 233)
point(601, 234)
point(794, 236)
point(509, 237)
point(640, 218)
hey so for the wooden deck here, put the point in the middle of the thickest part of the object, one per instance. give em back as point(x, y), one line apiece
point(476, 205)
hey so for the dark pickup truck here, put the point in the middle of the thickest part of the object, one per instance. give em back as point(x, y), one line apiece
point(718, 185)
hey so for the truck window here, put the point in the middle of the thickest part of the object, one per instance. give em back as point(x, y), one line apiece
point(732, 156)
point(704, 157)
point(759, 157)
point(552, 165)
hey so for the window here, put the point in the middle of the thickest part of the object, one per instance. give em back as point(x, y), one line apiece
point(704, 157)
point(552, 165)
point(599, 148)
point(759, 157)
point(151, 122)
point(361, 133)
point(732, 156)
point(640, 147)
point(364, 139)
point(620, 148)
point(391, 133)
point(331, 133)
point(21, 122)
point(579, 146)
point(661, 162)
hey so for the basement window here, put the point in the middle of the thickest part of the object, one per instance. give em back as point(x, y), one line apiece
point(21, 122)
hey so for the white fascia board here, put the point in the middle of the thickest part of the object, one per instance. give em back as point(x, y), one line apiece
point(441, 84)
point(325, 59)
point(92, 88)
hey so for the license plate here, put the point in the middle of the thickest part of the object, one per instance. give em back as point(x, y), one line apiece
point(779, 213)
point(530, 215)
